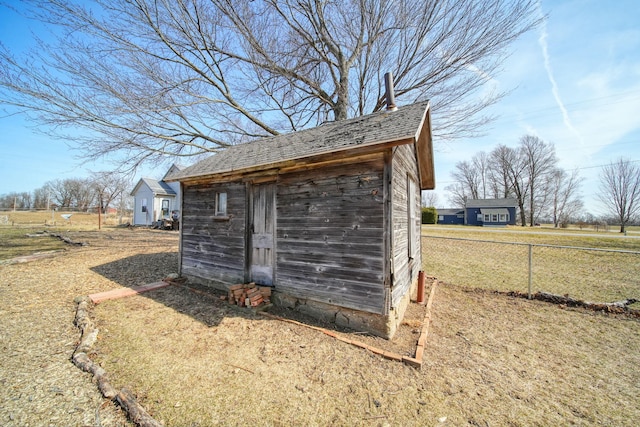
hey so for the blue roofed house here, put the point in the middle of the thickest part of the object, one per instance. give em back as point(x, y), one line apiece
point(481, 212)
point(490, 212)
point(451, 216)
point(155, 200)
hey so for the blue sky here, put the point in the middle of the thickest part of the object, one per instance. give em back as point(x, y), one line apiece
point(575, 83)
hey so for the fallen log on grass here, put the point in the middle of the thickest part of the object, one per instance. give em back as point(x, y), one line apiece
point(82, 361)
point(80, 358)
point(136, 412)
point(565, 300)
point(573, 302)
point(65, 239)
point(68, 240)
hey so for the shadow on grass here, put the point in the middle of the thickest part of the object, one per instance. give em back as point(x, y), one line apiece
point(199, 302)
point(207, 305)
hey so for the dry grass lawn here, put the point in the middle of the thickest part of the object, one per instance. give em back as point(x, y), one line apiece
point(596, 276)
point(193, 360)
point(490, 360)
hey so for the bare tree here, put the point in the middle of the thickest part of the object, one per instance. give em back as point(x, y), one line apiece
point(620, 190)
point(499, 176)
point(108, 188)
point(16, 200)
point(186, 77)
point(508, 164)
point(565, 197)
point(457, 194)
point(481, 164)
point(73, 193)
point(472, 177)
point(41, 198)
point(60, 192)
point(81, 193)
point(468, 178)
point(540, 161)
point(429, 199)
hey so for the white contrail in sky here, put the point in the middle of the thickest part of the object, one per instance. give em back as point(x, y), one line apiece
point(554, 86)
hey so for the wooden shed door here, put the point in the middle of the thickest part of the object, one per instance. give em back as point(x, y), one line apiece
point(262, 233)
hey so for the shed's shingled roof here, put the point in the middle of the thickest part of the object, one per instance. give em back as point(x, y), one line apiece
point(376, 128)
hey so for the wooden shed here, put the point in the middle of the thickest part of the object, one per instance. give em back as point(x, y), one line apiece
point(329, 217)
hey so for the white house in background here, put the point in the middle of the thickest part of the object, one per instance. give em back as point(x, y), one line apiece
point(155, 199)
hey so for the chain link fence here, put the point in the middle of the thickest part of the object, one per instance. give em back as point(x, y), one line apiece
point(589, 274)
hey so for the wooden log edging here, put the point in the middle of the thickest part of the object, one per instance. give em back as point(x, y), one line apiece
point(617, 307)
point(415, 361)
point(32, 257)
point(81, 359)
point(65, 239)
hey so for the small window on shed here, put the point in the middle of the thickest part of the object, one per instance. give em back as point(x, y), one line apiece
point(144, 205)
point(221, 204)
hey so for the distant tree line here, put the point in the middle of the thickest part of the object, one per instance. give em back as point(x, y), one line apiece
point(101, 191)
point(530, 174)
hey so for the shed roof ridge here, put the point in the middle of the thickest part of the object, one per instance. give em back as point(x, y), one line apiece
point(336, 136)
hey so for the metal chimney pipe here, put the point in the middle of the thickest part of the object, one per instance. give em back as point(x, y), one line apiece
point(388, 86)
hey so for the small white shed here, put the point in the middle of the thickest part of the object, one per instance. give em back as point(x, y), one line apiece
point(155, 200)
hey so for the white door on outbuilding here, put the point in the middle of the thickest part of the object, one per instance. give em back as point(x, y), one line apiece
point(262, 240)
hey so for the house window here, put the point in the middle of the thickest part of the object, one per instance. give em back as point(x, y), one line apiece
point(144, 205)
point(221, 204)
point(503, 218)
point(165, 208)
point(440, 217)
point(487, 218)
point(494, 217)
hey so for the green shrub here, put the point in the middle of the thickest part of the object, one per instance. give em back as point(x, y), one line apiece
point(429, 215)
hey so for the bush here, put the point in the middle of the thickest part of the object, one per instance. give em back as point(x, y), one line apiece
point(429, 215)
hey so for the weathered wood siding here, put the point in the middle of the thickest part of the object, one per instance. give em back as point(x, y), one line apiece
point(213, 248)
point(330, 227)
point(405, 265)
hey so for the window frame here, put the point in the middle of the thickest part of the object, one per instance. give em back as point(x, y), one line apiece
point(165, 207)
point(220, 204)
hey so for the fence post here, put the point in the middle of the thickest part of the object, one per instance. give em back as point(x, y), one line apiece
point(530, 268)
